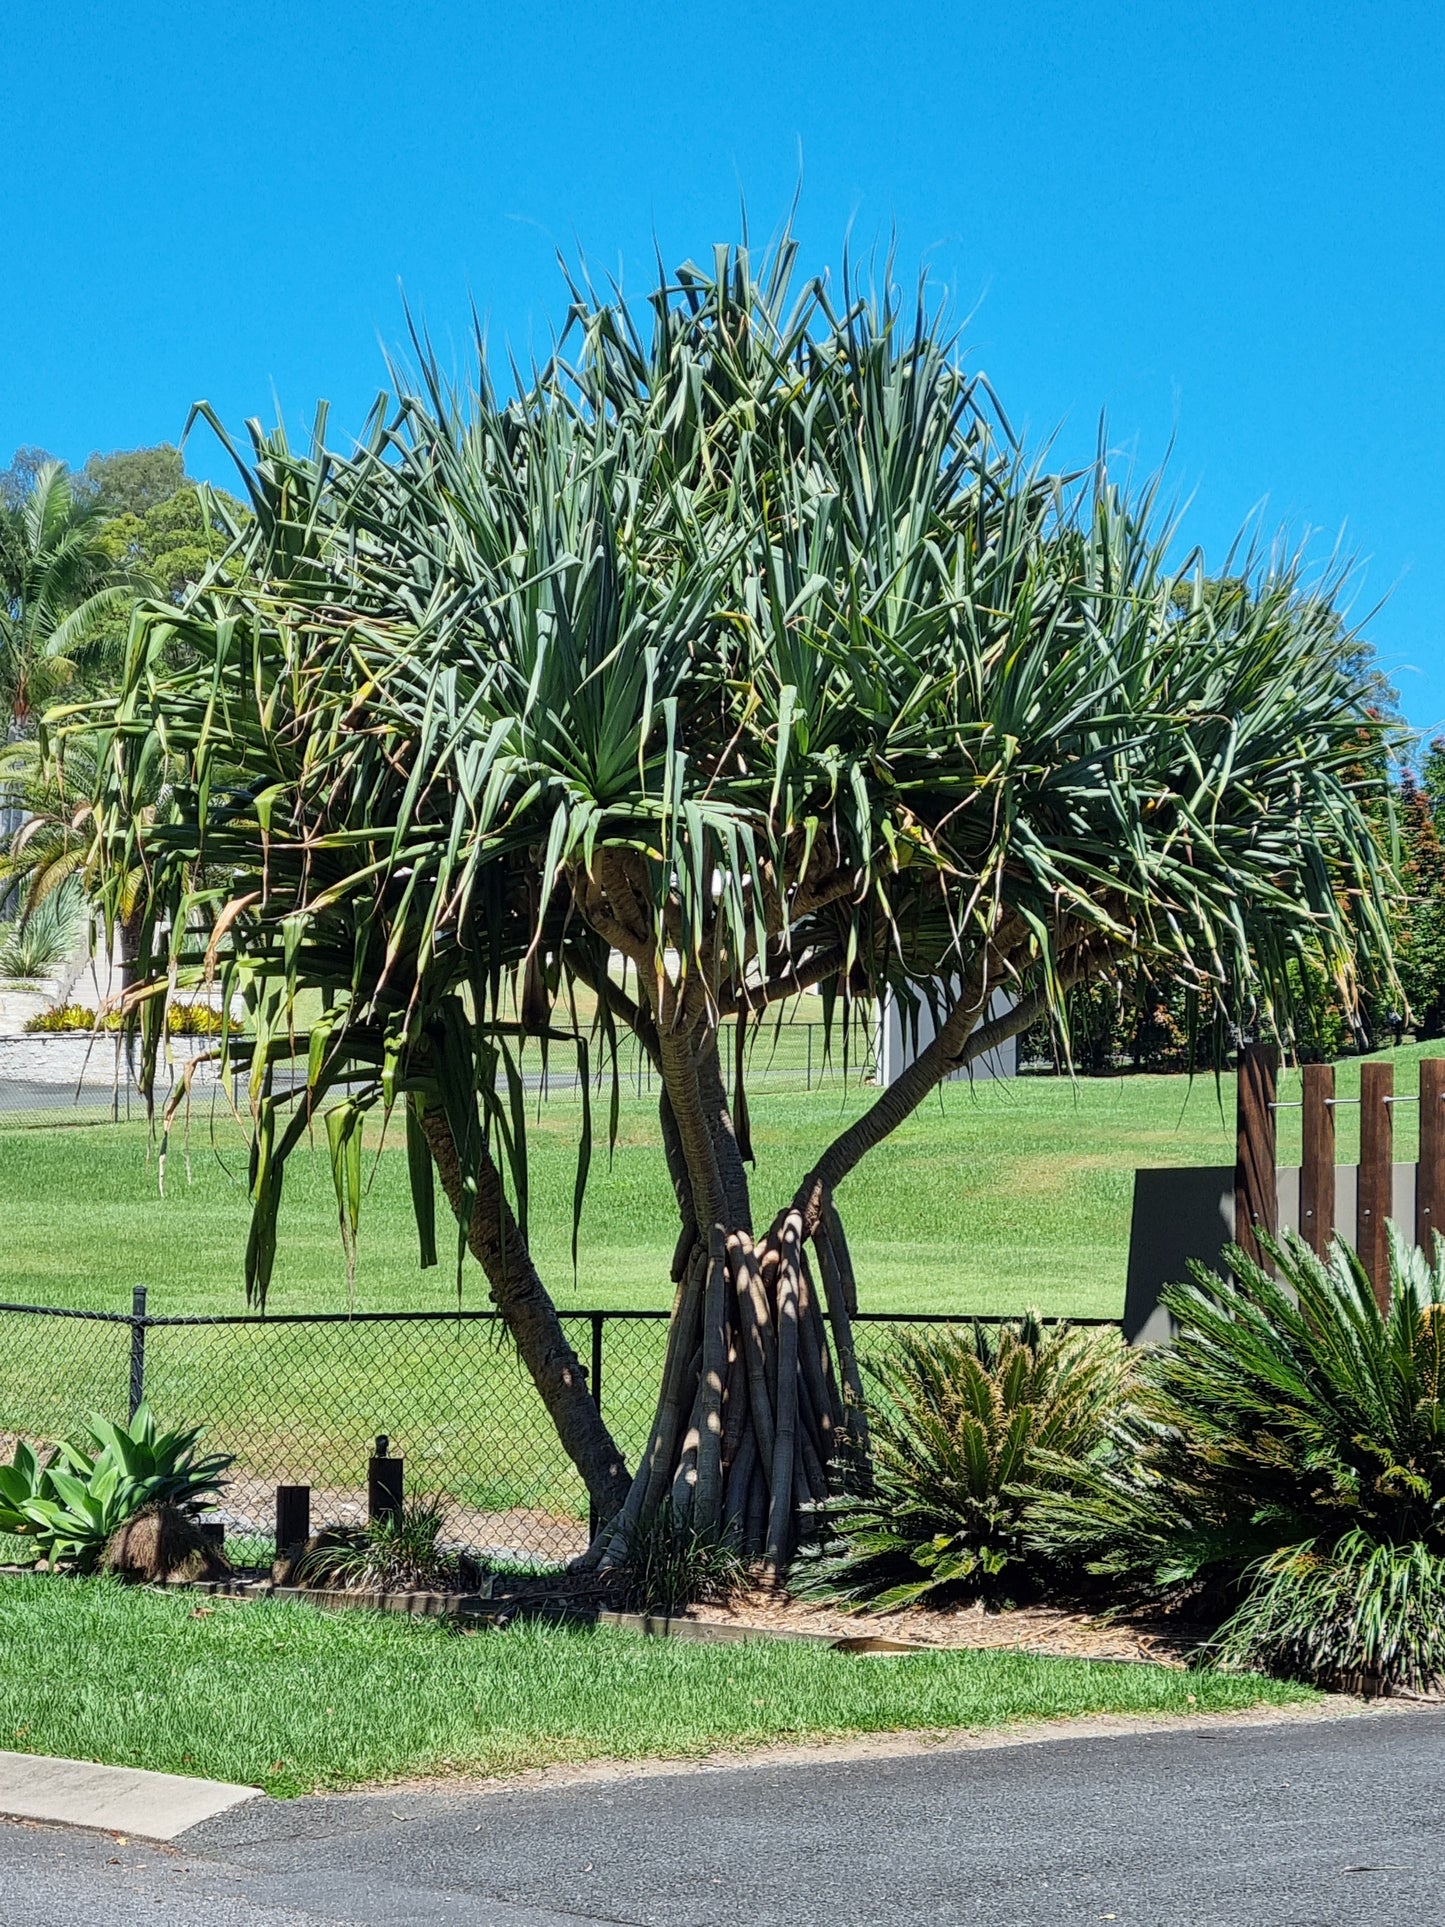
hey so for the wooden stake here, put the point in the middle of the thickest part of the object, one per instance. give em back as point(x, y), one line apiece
point(1256, 1206)
point(293, 1519)
point(1317, 1161)
point(1430, 1171)
point(1376, 1179)
point(384, 1476)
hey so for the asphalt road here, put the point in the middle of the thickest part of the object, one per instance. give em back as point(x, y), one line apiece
point(1326, 1823)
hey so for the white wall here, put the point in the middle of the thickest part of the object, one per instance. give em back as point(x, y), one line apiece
point(898, 1045)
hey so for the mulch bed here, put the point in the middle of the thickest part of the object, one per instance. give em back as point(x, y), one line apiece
point(1053, 1631)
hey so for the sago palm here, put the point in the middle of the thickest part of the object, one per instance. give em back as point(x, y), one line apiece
point(962, 1423)
point(1288, 1409)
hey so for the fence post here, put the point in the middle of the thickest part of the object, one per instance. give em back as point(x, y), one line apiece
point(593, 1522)
point(1256, 1197)
point(1430, 1171)
point(1376, 1176)
point(293, 1519)
point(1317, 1158)
point(137, 1349)
point(383, 1483)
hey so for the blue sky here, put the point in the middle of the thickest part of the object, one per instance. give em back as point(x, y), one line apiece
point(1223, 226)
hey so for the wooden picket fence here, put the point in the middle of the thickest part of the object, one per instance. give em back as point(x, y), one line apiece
point(1256, 1179)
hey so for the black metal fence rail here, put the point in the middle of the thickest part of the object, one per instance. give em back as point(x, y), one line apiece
point(298, 1398)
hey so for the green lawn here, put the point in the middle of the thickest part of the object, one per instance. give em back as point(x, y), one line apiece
point(291, 1699)
point(993, 1197)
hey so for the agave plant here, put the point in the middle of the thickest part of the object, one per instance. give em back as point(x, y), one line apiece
point(744, 646)
point(964, 1423)
point(37, 942)
point(98, 1480)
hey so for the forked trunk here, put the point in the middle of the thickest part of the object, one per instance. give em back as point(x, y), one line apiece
point(761, 1389)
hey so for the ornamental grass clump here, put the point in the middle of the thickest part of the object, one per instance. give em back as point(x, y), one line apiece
point(669, 1565)
point(964, 1423)
point(1357, 1615)
point(1282, 1466)
point(399, 1552)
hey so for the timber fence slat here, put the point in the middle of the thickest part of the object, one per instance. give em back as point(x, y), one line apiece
point(1256, 1206)
point(1376, 1176)
point(1317, 1162)
point(1430, 1173)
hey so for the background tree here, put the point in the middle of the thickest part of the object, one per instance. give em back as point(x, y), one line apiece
point(130, 523)
point(1420, 934)
point(741, 653)
point(160, 527)
point(58, 592)
point(18, 479)
point(132, 481)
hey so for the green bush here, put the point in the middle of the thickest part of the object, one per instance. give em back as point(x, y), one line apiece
point(38, 942)
point(669, 1565)
point(182, 1020)
point(97, 1481)
point(1286, 1410)
point(1285, 1456)
point(402, 1552)
point(965, 1422)
point(65, 1017)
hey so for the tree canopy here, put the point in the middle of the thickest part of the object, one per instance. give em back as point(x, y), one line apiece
point(132, 481)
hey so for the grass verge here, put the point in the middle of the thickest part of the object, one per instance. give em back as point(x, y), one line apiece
point(290, 1699)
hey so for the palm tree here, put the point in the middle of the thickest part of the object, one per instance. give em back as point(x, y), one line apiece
point(59, 594)
point(744, 646)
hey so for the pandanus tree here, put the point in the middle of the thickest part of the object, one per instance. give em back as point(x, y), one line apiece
point(740, 652)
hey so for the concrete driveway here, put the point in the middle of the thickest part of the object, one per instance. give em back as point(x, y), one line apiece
point(1326, 1822)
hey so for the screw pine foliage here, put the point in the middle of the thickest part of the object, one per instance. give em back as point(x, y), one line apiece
point(743, 644)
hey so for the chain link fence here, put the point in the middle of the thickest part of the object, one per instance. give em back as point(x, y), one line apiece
point(300, 1400)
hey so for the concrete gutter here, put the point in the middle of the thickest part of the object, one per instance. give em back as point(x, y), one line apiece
point(111, 1799)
